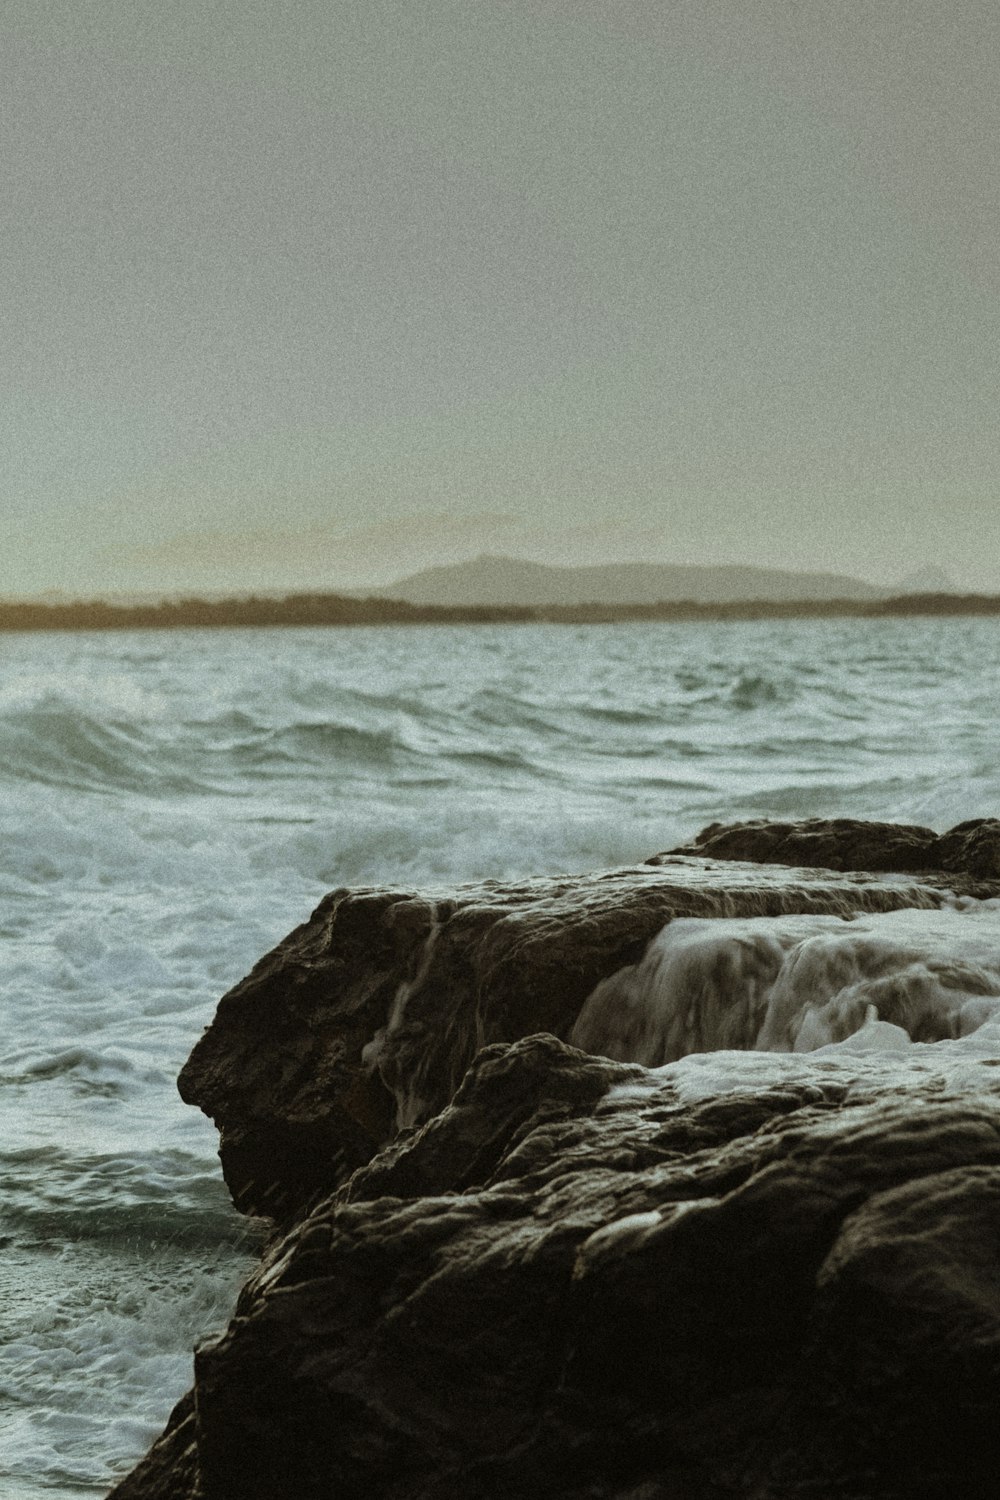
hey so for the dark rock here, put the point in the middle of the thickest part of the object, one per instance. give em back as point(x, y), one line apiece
point(749, 1274)
point(364, 1019)
point(971, 849)
point(771, 1276)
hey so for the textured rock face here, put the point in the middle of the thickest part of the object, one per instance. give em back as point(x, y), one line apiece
point(366, 1017)
point(755, 1275)
point(748, 1273)
point(969, 849)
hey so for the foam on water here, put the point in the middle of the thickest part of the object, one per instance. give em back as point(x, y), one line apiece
point(800, 983)
point(877, 1053)
point(96, 1348)
point(171, 804)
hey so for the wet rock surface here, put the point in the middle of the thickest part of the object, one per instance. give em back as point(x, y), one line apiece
point(366, 1018)
point(584, 1278)
point(504, 1267)
point(971, 849)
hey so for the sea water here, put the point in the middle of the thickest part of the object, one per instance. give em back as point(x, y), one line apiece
point(174, 802)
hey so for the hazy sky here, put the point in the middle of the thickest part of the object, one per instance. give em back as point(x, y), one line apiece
point(309, 292)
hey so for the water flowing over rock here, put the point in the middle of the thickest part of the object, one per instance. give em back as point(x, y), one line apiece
point(795, 983)
point(748, 1250)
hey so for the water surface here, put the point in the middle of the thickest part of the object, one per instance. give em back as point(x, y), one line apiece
point(174, 802)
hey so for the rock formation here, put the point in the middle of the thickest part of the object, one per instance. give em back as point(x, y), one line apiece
point(365, 1018)
point(507, 1267)
point(970, 849)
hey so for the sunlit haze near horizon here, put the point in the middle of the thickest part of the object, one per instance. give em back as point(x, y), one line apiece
point(316, 294)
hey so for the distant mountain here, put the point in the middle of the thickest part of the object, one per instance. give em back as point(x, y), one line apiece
point(512, 581)
point(927, 580)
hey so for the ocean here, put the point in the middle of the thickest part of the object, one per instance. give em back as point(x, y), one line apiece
point(174, 802)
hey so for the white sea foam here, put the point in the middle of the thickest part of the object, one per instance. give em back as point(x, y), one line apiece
point(870, 1057)
point(97, 1347)
point(800, 983)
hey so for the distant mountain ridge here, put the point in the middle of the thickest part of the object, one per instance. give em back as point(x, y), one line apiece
point(495, 580)
point(927, 580)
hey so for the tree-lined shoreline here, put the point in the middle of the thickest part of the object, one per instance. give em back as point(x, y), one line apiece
point(327, 609)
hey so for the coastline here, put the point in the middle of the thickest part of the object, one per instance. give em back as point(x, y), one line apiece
point(328, 609)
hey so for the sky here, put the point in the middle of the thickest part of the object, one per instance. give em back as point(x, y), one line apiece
point(311, 293)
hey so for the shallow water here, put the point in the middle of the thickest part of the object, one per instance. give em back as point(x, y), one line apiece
point(173, 803)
